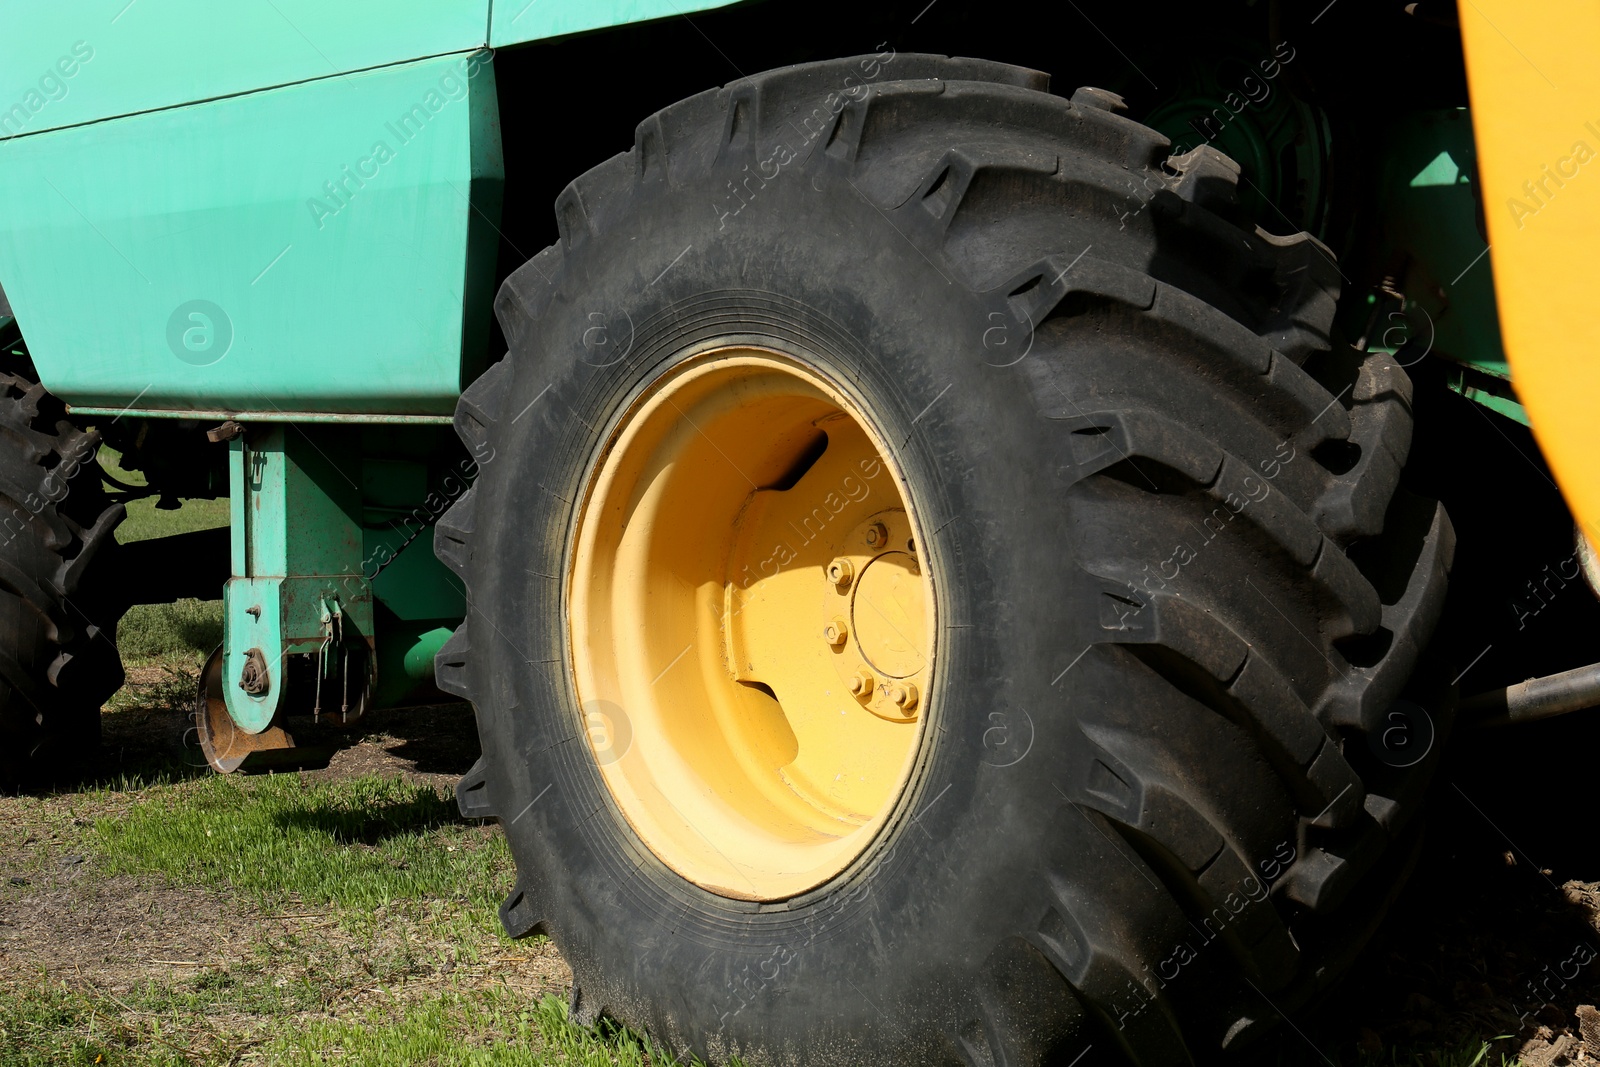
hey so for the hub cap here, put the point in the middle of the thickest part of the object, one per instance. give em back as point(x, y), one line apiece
point(751, 625)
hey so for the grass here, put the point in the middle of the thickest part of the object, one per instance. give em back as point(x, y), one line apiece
point(149, 631)
point(145, 520)
point(425, 1033)
point(363, 932)
point(44, 1025)
point(362, 842)
point(343, 921)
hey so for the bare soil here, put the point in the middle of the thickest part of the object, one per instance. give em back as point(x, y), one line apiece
point(65, 922)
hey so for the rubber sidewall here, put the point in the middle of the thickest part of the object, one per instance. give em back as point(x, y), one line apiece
point(879, 961)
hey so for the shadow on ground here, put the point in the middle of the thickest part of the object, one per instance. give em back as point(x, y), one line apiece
point(1494, 938)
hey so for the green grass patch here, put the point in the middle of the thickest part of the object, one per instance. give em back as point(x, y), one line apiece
point(362, 842)
point(145, 520)
point(48, 1026)
point(190, 628)
point(505, 1032)
point(43, 1024)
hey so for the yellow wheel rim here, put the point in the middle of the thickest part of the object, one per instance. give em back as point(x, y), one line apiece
point(751, 627)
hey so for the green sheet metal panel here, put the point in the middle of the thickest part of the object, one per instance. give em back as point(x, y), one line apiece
point(316, 248)
point(516, 21)
point(300, 545)
point(63, 63)
point(1430, 230)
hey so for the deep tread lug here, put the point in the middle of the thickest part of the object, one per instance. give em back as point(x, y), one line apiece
point(472, 792)
point(452, 535)
point(450, 665)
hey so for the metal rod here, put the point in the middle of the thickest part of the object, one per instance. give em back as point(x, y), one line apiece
point(1536, 698)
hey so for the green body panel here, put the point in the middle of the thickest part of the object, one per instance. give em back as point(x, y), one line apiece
point(326, 247)
point(133, 57)
point(516, 21)
point(65, 64)
point(1433, 240)
point(409, 478)
point(292, 207)
point(1490, 390)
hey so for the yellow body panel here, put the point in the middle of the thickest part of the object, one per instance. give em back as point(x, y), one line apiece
point(1534, 71)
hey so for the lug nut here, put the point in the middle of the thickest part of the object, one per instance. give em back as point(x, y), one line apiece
point(840, 572)
point(835, 633)
point(903, 695)
point(861, 683)
point(877, 535)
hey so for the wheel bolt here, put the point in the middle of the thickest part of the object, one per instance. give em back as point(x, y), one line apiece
point(861, 683)
point(835, 633)
point(840, 572)
point(877, 535)
point(903, 695)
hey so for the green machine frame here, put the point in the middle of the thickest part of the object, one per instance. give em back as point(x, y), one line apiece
point(282, 217)
point(332, 550)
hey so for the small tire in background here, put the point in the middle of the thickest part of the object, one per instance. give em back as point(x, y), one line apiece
point(58, 604)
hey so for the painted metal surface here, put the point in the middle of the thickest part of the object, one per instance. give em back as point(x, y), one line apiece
point(294, 216)
point(1430, 220)
point(326, 247)
point(298, 545)
point(1536, 111)
point(774, 648)
point(69, 63)
point(332, 550)
point(225, 746)
point(64, 64)
point(1437, 300)
point(405, 659)
point(516, 21)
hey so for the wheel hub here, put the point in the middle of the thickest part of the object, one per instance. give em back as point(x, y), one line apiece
point(747, 605)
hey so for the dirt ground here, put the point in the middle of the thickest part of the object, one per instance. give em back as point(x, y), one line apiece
point(64, 923)
point(1495, 938)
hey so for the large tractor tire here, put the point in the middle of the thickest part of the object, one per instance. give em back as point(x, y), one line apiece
point(911, 618)
point(58, 653)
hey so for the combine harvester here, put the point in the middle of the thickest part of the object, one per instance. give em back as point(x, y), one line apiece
point(934, 559)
